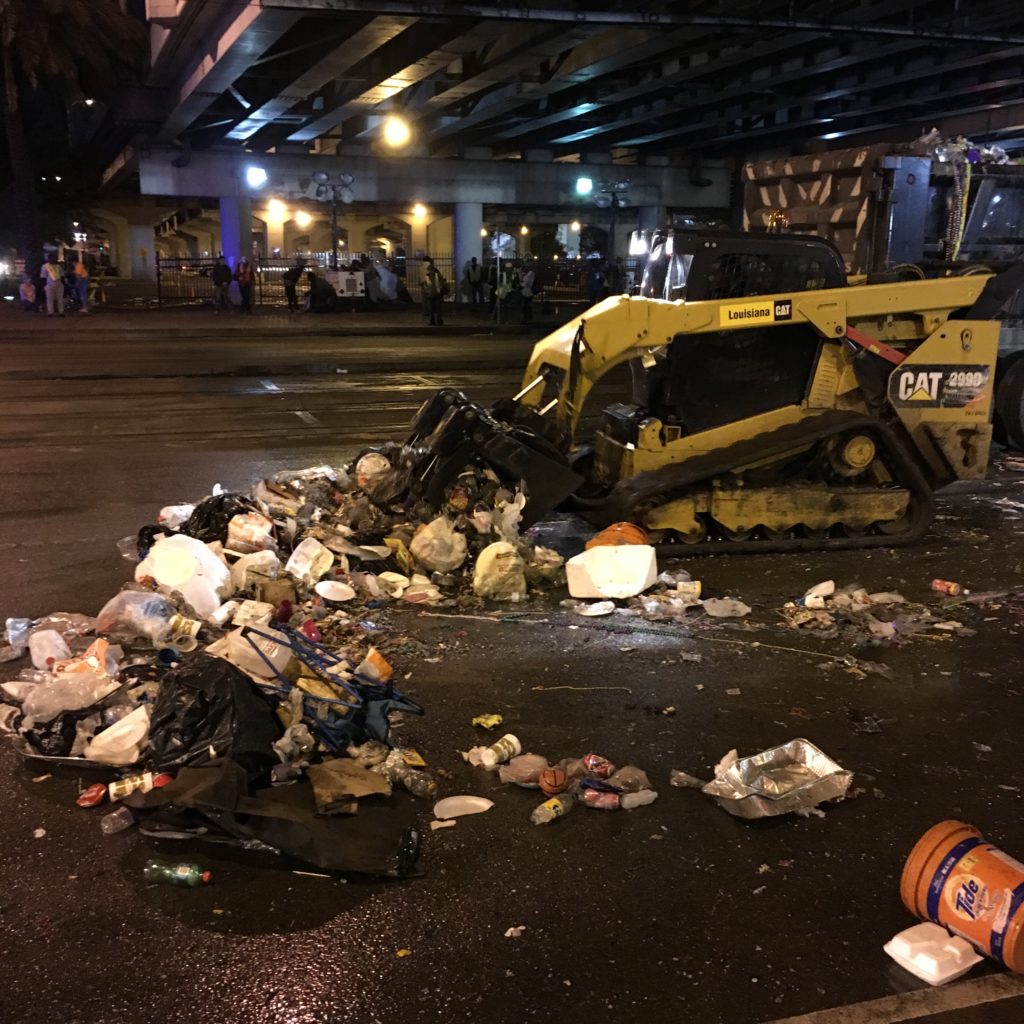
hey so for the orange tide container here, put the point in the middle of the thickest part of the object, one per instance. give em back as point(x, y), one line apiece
point(618, 533)
point(956, 879)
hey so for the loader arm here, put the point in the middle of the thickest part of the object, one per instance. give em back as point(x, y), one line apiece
point(566, 365)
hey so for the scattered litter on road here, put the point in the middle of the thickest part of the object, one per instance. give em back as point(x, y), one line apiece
point(515, 932)
point(487, 721)
point(458, 806)
point(953, 878)
point(793, 777)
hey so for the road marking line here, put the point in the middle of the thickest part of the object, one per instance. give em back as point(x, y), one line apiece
point(915, 1005)
point(269, 385)
point(307, 417)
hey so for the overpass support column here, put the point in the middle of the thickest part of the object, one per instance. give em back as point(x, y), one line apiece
point(236, 228)
point(142, 248)
point(466, 225)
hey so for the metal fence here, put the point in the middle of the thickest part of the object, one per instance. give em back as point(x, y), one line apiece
point(186, 280)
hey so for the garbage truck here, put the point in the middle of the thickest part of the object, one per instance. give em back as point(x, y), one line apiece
point(929, 209)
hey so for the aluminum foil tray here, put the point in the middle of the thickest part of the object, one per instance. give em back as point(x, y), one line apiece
point(796, 776)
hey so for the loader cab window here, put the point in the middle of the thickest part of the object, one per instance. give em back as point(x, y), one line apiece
point(708, 380)
point(738, 275)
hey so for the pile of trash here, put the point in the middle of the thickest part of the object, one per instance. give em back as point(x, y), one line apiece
point(239, 688)
point(961, 149)
point(853, 612)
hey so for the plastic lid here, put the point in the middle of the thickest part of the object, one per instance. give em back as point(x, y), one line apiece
point(930, 953)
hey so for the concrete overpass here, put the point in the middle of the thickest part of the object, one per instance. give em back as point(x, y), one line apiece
point(507, 106)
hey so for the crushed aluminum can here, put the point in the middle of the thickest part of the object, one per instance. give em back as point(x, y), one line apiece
point(92, 796)
point(793, 777)
point(597, 765)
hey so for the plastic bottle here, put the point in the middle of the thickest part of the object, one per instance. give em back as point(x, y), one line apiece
point(166, 873)
point(550, 810)
point(17, 632)
point(419, 783)
point(141, 613)
point(116, 821)
point(46, 647)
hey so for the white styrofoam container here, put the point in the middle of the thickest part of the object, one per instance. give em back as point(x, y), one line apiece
point(623, 570)
point(930, 953)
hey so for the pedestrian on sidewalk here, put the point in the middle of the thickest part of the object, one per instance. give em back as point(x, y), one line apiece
point(27, 294)
point(221, 277)
point(53, 285)
point(82, 283)
point(433, 287)
point(526, 290)
point(475, 280)
point(291, 278)
point(243, 275)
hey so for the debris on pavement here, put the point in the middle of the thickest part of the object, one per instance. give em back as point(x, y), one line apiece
point(955, 879)
point(932, 954)
point(792, 778)
point(250, 662)
point(458, 806)
point(515, 932)
point(487, 721)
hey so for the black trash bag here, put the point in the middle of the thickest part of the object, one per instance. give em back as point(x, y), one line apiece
point(208, 710)
point(382, 839)
point(210, 518)
point(56, 737)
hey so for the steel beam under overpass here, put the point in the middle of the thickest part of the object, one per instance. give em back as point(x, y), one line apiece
point(403, 181)
point(247, 32)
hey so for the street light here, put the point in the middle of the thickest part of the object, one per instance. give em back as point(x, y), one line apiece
point(612, 196)
point(303, 219)
point(419, 211)
point(336, 193)
point(256, 177)
point(584, 186)
point(524, 230)
point(574, 226)
point(396, 131)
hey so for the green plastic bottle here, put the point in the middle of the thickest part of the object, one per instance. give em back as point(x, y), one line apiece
point(162, 871)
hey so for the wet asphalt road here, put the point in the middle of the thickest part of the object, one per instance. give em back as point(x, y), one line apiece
point(672, 912)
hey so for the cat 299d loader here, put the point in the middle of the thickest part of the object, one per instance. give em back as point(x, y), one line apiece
point(774, 407)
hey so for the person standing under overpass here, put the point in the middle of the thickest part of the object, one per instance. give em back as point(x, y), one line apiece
point(53, 283)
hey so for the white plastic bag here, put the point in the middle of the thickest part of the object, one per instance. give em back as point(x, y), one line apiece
point(500, 573)
point(122, 743)
point(439, 547)
point(189, 566)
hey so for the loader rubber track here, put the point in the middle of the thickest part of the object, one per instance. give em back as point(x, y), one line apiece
point(673, 482)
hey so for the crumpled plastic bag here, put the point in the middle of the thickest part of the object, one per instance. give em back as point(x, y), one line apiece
point(508, 515)
point(439, 546)
point(500, 573)
point(70, 691)
point(191, 567)
point(725, 608)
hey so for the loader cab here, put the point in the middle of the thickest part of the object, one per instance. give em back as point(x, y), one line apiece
point(708, 380)
point(697, 266)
